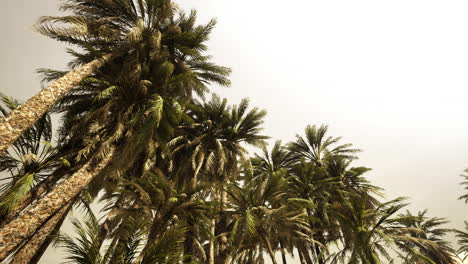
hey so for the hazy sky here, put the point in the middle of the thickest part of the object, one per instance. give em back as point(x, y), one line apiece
point(389, 76)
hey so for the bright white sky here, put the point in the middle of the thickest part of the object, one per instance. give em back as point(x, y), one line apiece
point(389, 76)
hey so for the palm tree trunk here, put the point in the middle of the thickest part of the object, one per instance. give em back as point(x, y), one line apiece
point(40, 252)
point(32, 249)
point(212, 241)
point(21, 228)
point(23, 117)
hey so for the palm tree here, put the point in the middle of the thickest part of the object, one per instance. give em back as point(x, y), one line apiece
point(30, 163)
point(34, 165)
point(153, 199)
point(463, 242)
point(214, 142)
point(463, 235)
point(465, 185)
point(107, 31)
point(315, 146)
point(267, 163)
point(311, 183)
point(271, 161)
point(168, 69)
point(325, 159)
point(430, 246)
point(262, 212)
point(167, 249)
point(23, 226)
point(368, 232)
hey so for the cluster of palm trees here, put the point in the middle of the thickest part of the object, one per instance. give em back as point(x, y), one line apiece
point(141, 135)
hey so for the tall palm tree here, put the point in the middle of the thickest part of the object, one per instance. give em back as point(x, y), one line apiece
point(312, 183)
point(34, 165)
point(22, 227)
point(216, 137)
point(322, 152)
point(169, 68)
point(29, 163)
point(153, 199)
point(214, 142)
point(264, 165)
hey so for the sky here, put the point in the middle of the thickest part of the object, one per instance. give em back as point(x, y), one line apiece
point(388, 76)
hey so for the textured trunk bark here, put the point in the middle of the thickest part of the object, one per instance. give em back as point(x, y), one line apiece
point(22, 227)
point(212, 242)
point(40, 252)
point(30, 111)
point(30, 250)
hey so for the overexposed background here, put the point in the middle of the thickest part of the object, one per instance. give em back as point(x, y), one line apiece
point(390, 77)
